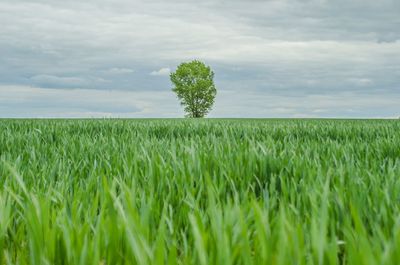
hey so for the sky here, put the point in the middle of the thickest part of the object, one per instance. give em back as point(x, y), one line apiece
point(272, 58)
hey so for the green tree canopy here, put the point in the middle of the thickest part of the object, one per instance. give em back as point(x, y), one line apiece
point(194, 85)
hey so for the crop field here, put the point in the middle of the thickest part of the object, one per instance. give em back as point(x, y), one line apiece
point(199, 192)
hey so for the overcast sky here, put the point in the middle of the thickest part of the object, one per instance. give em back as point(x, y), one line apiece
point(282, 58)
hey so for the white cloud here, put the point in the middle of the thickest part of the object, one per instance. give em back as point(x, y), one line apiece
point(120, 71)
point(361, 81)
point(161, 72)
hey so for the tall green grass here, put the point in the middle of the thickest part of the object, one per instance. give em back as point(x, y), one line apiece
point(199, 192)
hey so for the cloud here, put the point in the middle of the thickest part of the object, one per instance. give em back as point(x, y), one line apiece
point(52, 81)
point(25, 101)
point(262, 49)
point(361, 81)
point(161, 72)
point(120, 71)
point(275, 105)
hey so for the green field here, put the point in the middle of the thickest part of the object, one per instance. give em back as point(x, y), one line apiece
point(199, 192)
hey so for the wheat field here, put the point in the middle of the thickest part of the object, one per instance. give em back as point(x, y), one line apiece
point(208, 191)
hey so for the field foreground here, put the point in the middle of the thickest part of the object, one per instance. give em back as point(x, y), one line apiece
point(199, 192)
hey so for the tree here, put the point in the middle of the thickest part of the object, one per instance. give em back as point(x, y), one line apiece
point(194, 85)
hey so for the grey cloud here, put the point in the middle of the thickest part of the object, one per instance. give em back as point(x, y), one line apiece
point(51, 81)
point(23, 101)
point(55, 81)
point(322, 20)
point(285, 48)
point(339, 105)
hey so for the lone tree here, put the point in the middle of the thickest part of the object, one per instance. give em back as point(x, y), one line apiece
point(194, 86)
